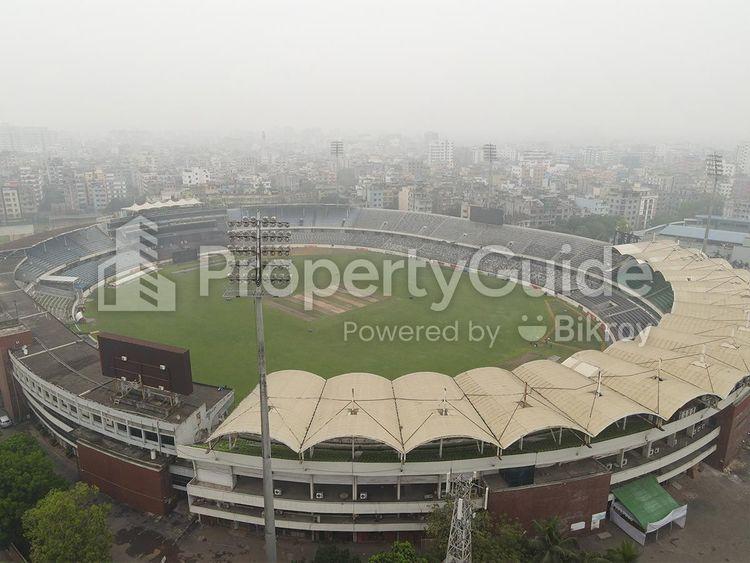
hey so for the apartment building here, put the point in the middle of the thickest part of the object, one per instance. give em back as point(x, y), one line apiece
point(637, 204)
point(440, 152)
point(196, 176)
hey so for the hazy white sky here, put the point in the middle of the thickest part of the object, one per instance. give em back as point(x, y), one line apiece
point(566, 69)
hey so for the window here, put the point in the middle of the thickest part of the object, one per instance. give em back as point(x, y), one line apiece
point(152, 436)
point(136, 432)
point(97, 419)
point(73, 409)
point(167, 440)
point(122, 428)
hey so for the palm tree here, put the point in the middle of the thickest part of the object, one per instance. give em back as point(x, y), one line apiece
point(550, 545)
point(626, 552)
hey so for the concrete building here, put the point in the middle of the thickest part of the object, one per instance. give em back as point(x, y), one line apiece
point(196, 176)
point(440, 152)
point(374, 196)
point(94, 190)
point(411, 198)
point(742, 158)
point(11, 204)
point(637, 204)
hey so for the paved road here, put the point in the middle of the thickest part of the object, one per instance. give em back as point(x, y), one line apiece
point(718, 519)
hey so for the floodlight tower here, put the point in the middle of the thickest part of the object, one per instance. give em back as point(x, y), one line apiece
point(489, 153)
point(715, 169)
point(337, 152)
point(252, 242)
point(459, 538)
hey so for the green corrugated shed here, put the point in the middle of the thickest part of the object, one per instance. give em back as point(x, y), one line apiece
point(646, 500)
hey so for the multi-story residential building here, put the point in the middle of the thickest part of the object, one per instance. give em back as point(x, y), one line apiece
point(742, 158)
point(196, 176)
point(440, 152)
point(374, 196)
point(23, 139)
point(11, 204)
point(636, 204)
point(411, 198)
point(94, 189)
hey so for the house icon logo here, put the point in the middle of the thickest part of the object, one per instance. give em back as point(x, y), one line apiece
point(129, 280)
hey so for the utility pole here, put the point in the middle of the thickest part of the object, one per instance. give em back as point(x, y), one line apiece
point(459, 539)
point(251, 240)
point(715, 168)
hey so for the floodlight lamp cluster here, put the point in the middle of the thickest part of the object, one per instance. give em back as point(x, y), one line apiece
point(251, 239)
point(254, 222)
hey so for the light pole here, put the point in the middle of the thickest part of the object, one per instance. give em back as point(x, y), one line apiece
point(252, 242)
point(489, 152)
point(715, 168)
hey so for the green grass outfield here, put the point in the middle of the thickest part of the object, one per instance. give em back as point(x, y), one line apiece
point(221, 334)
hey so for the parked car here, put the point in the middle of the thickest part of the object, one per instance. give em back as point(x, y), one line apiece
point(5, 421)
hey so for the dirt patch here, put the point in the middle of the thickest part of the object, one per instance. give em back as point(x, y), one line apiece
point(148, 544)
point(340, 302)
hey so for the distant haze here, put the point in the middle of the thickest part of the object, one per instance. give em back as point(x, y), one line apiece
point(520, 70)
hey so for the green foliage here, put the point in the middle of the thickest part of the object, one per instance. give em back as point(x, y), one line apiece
point(626, 552)
point(690, 208)
point(599, 227)
point(491, 539)
point(69, 526)
point(400, 552)
point(331, 553)
point(551, 545)
point(26, 475)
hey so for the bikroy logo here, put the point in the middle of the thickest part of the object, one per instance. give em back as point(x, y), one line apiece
point(130, 277)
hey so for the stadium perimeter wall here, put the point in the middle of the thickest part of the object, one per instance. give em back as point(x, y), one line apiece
point(735, 426)
point(575, 501)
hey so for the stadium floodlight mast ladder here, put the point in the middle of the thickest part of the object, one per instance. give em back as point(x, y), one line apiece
point(260, 246)
point(714, 169)
point(459, 538)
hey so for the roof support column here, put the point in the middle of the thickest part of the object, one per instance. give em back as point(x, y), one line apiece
point(647, 450)
point(621, 459)
point(312, 487)
point(398, 487)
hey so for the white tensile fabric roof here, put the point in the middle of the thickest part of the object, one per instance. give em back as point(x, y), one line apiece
point(162, 204)
point(701, 348)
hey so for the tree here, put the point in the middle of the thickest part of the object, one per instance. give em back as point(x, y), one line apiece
point(491, 539)
point(69, 526)
point(400, 552)
point(551, 545)
point(26, 475)
point(698, 205)
point(626, 552)
point(331, 553)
